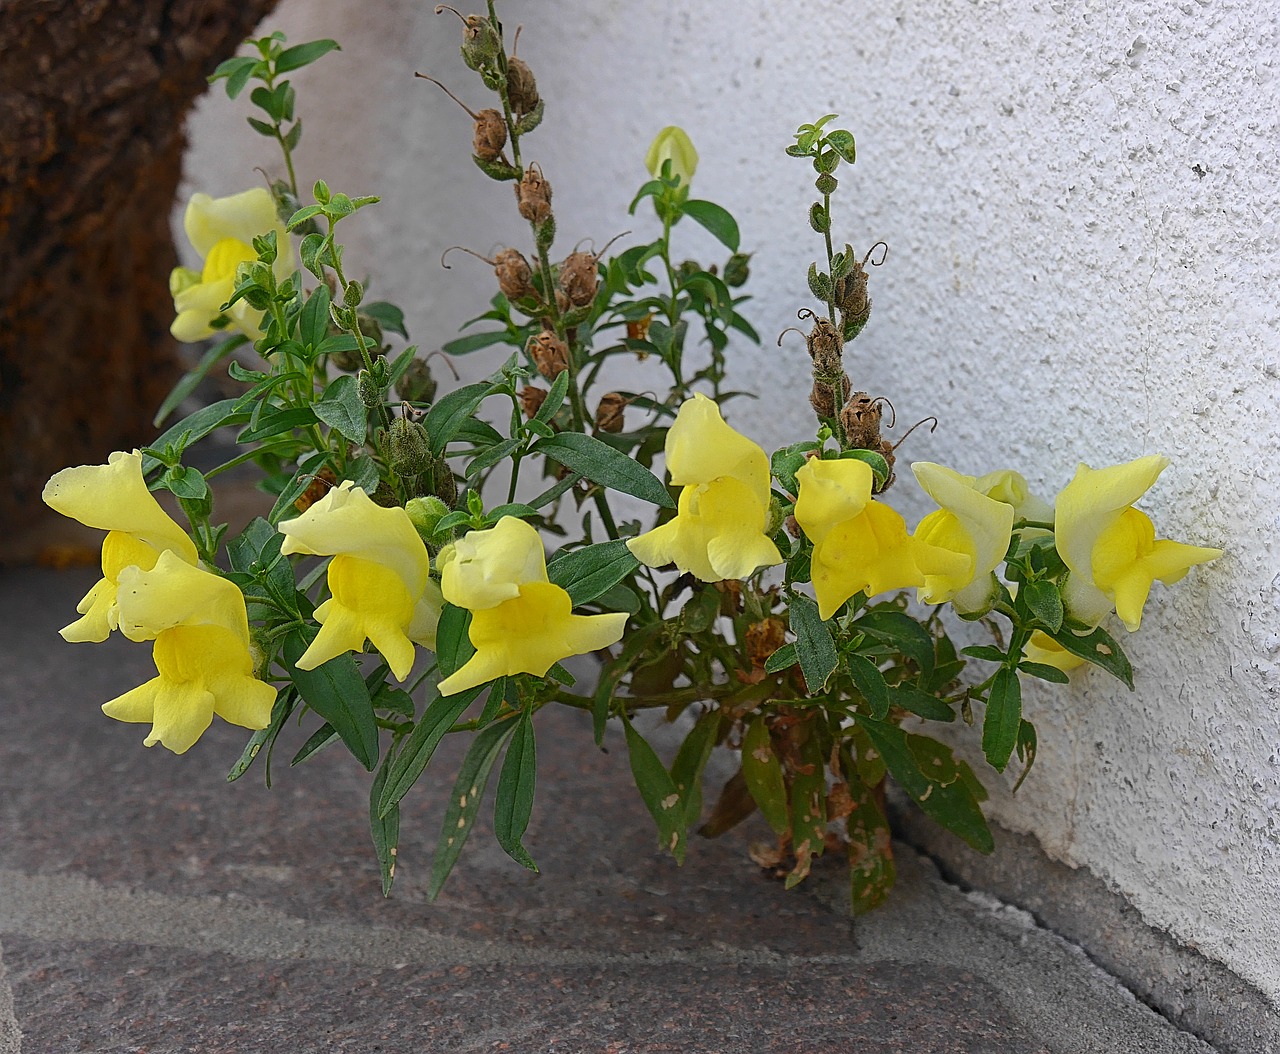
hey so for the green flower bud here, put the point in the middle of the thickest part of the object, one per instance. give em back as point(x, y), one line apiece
point(674, 145)
point(369, 389)
point(410, 448)
point(424, 514)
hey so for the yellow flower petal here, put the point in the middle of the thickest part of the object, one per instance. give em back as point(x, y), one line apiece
point(701, 448)
point(529, 633)
point(968, 523)
point(487, 568)
point(673, 144)
point(831, 492)
point(369, 601)
point(1012, 488)
point(243, 216)
point(174, 593)
point(1044, 649)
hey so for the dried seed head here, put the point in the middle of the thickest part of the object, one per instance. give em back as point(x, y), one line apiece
point(479, 39)
point(522, 88)
point(319, 486)
point(826, 346)
point(860, 417)
point(416, 385)
point(579, 278)
point(490, 135)
point(531, 399)
point(763, 639)
point(533, 196)
point(550, 354)
point(851, 292)
point(609, 412)
point(515, 276)
point(823, 397)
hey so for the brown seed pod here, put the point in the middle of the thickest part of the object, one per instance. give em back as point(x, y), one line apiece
point(823, 397)
point(579, 278)
point(515, 276)
point(825, 346)
point(609, 412)
point(522, 88)
point(320, 485)
point(533, 196)
point(549, 353)
point(490, 136)
point(479, 38)
point(531, 399)
point(860, 417)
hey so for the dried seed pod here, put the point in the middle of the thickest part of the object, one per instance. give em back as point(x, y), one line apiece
point(319, 486)
point(489, 138)
point(609, 412)
point(763, 639)
point(522, 88)
point(823, 396)
point(416, 385)
point(531, 399)
point(825, 345)
point(480, 40)
point(860, 417)
point(851, 293)
point(579, 278)
point(533, 196)
point(515, 276)
point(550, 354)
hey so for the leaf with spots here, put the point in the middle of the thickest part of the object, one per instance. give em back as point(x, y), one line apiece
point(464, 800)
point(808, 809)
point(659, 792)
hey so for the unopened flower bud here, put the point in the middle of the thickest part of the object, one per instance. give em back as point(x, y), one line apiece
point(737, 270)
point(550, 354)
point(410, 448)
point(533, 196)
point(424, 514)
point(515, 276)
point(416, 385)
point(674, 145)
point(609, 412)
point(531, 399)
point(579, 278)
point(490, 135)
point(686, 269)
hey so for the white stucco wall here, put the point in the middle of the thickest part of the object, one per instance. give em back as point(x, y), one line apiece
point(1081, 200)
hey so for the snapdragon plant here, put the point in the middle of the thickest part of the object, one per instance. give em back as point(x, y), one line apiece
point(399, 591)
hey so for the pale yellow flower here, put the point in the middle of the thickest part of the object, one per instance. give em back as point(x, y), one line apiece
point(1045, 650)
point(222, 230)
point(672, 144)
point(520, 621)
point(379, 578)
point(718, 530)
point(114, 498)
point(968, 523)
point(1012, 488)
point(859, 544)
point(201, 652)
point(1110, 548)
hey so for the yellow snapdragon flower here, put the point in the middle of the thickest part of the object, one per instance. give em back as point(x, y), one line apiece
point(859, 544)
point(672, 144)
point(1012, 488)
point(379, 578)
point(114, 498)
point(718, 530)
point(1110, 548)
point(222, 230)
point(201, 652)
point(968, 523)
point(1045, 650)
point(520, 621)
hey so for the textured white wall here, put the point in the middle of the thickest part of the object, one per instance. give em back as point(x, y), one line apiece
point(1081, 200)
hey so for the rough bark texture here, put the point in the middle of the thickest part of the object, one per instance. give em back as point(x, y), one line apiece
point(93, 95)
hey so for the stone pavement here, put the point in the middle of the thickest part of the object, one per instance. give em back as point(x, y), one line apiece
point(147, 906)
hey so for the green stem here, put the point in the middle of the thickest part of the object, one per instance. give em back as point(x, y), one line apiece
point(831, 304)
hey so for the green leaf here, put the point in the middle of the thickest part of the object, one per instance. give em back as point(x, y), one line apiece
point(491, 456)
point(384, 828)
point(262, 127)
point(691, 760)
point(1044, 672)
point(842, 142)
point(341, 408)
point(763, 773)
point(901, 631)
point(819, 220)
point(516, 783)
point(951, 804)
point(984, 651)
point(871, 868)
point(313, 323)
point(453, 643)
point(1100, 649)
point(715, 219)
point(304, 54)
point(871, 683)
point(555, 398)
point(450, 413)
point(532, 119)
point(277, 423)
point(318, 740)
point(924, 704)
point(284, 705)
point(659, 791)
point(1028, 745)
point(336, 691)
point(782, 659)
point(236, 71)
point(602, 464)
point(814, 646)
point(183, 481)
point(819, 283)
point(1004, 714)
point(196, 426)
point(387, 315)
point(1045, 602)
point(436, 720)
point(474, 342)
point(591, 572)
point(464, 801)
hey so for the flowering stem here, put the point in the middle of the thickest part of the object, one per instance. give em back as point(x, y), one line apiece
point(831, 303)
